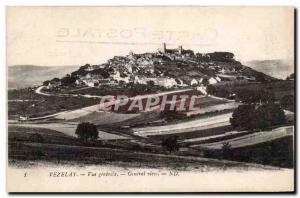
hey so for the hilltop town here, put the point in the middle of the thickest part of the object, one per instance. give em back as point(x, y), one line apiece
point(167, 68)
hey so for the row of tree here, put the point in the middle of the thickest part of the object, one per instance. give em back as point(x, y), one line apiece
point(250, 96)
point(65, 81)
point(245, 95)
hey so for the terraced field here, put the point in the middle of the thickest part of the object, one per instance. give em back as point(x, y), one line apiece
point(184, 127)
point(65, 128)
point(251, 139)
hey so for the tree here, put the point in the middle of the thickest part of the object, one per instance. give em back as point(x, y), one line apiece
point(122, 83)
point(130, 85)
point(210, 89)
point(205, 82)
point(171, 143)
point(287, 102)
point(55, 80)
point(87, 131)
point(150, 83)
point(265, 96)
point(220, 91)
point(247, 117)
point(45, 83)
point(269, 115)
point(226, 150)
point(291, 77)
point(242, 117)
point(251, 96)
point(170, 115)
point(141, 89)
point(68, 80)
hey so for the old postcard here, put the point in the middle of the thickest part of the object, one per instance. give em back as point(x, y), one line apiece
point(150, 99)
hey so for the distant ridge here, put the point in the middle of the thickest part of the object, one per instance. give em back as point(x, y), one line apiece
point(22, 76)
point(178, 65)
point(277, 68)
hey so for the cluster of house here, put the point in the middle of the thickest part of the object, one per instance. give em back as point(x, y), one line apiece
point(160, 81)
point(236, 77)
point(167, 82)
point(171, 82)
point(232, 74)
point(137, 68)
point(94, 80)
point(115, 79)
point(201, 81)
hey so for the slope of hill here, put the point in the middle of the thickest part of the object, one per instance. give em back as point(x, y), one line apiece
point(275, 68)
point(176, 66)
point(22, 76)
point(167, 68)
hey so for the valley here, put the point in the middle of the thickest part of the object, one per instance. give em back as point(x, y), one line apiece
point(43, 119)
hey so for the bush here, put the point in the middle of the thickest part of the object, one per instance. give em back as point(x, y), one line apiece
point(68, 80)
point(218, 91)
point(269, 115)
point(87, 131)
point(171, 143)
point(242, 117)
point(226, 150)
point(250, 96)
point(287, 102)
point(45, 83)
point(263, 117)
point(171, 115)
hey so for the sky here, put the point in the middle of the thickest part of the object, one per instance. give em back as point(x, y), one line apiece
point(54, 36)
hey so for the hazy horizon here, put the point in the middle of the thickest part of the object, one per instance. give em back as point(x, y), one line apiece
point(277, 68)
point(49, 36)
point(243, 62)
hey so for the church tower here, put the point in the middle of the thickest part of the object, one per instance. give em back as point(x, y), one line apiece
point(164, 49)
point(180, 49)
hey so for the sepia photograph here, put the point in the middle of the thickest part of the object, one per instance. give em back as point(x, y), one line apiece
point(150, 99)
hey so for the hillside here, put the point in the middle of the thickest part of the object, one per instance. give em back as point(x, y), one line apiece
point(165, 68)
point(22, 76)
point(275, 68)
point(33, 146)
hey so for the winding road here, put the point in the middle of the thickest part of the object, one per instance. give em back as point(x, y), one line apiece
point(39, 91)
point(73, 114)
